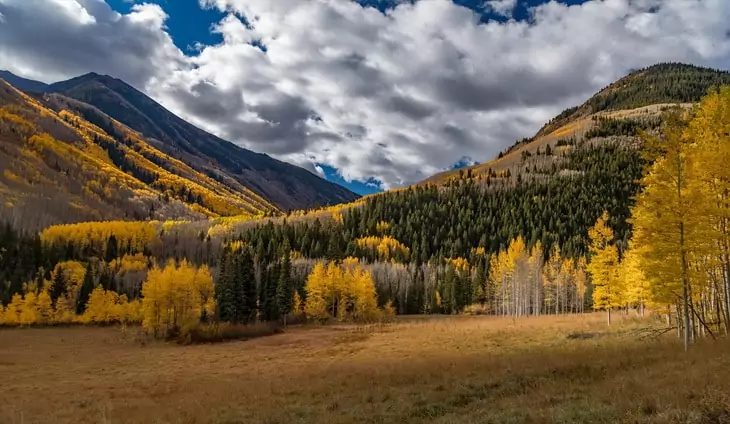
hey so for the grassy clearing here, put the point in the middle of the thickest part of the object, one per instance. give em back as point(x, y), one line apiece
point(442, 370)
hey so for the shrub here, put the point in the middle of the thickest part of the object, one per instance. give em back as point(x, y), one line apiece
point(221, 332)
point(476, 309)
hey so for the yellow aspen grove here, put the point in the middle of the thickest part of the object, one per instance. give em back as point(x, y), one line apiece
point(581, 283)
point(69, 276)
point(131, 310)
point(317, 292)
point(638, 289)
point(343, 292)
point(28, 312)
point(522, 283)
point(383, 248)
point(603, 267)
point(666, 218)
point(107, 307)
point(11, 315)
point(708, 132)
point(536, 267)
point(45, 307)
point(551, 279)
point(176, 296)
point(566, 286)
point(64, 312)
point(518, 255)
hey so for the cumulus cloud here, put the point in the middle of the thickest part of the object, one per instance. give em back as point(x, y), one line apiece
point(51, 40)
point(501, 7)
point(395, 95)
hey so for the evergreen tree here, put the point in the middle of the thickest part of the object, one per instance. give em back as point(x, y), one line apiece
point(284, 289)
point(86, 288)
point(247, 277)
point(110, 253)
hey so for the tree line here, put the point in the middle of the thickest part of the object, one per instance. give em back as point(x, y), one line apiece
point(623, 229)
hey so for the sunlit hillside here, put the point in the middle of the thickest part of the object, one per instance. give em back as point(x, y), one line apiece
point(631, 104)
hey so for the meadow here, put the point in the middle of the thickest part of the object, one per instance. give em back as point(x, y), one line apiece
point(560, 369)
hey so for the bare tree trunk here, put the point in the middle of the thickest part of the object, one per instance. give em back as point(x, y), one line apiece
point(725, 271)
point(669, 316)
point(702, 324)
point(685, 286)
point(680, 320)
point(609, 315)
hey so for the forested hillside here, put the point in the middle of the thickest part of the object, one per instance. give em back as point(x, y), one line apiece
point(658, 84)
point(409, 239)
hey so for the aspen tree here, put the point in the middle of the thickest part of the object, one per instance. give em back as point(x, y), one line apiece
point(665, 217)
point(603, 267)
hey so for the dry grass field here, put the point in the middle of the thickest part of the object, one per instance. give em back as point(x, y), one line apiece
point(444, 370)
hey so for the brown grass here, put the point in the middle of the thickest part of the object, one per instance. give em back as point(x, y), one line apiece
point(437, 369)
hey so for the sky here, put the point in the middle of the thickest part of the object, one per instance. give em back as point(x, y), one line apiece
point(374, 94)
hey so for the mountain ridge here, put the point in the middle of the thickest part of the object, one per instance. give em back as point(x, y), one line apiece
point(287, 186)
point(21, 83)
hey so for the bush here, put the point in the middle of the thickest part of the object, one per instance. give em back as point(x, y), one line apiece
point(387, 314)
point(221, 332)
point(476, 309)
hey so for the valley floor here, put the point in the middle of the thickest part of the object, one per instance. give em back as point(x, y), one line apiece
point(441, 369)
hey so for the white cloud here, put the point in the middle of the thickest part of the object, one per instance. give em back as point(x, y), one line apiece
point(501, 7)
point(396, 96)
point(319, 170)
point(56, 39)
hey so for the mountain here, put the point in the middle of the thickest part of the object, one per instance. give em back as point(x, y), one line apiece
point(59, 167)
point(635, 101)
point(658, 84)
point(149, 162)
point(23, 83)
point(284, 185)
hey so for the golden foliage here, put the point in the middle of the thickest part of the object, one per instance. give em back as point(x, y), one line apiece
point(176, 296)
point(460, 264)
point(106, 307)
point(383, 248)
point(135, 234)
point(382, 226)
point(343, 292)
point(608, 290)
point(34, 307)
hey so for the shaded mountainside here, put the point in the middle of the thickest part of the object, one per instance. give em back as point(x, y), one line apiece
point(23, 83)
point(632, 103)
point(284, 185)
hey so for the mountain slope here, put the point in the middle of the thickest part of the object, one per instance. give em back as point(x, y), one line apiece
point(284, 185)
point(23, 84)
point(661, 83)
point(59, 167)
point(636, 99)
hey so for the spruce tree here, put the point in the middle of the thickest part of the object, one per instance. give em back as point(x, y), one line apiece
point(247, 276)
point(86, 288)
point(284, 292)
